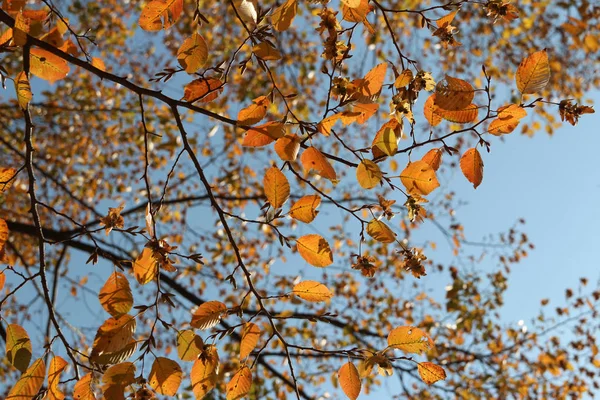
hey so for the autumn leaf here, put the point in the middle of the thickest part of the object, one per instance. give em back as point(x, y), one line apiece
point(204, 374)
point(57, 366)
point(160, 14)
point(250, 336)
point(431, 373)
point(263, 135)
point(266, 52)
point(193, 53)
point(305, 209)
point(507, 120)
point(208, 314)
point(276, 187)
point(23, 88)
point(239, 385)
point(18, 347)
point(283, 15)
point(315, 250)
point(165, 376)
point(203, 90)
point(453, 94)
point(20, 30)
point(434, 158)
point(432, 111)
point(349, 380)
point(351, 3)
point(373, 81)
point(2, 279)
point(312, 158)
point(368, 174)
point(403, 79)
point(115, 296)
point(287, 147)
point(365, 111)
point(7, 177)
point(328, 123)
point(254, 112)
point(379, 231)
point(312, 291)
point(113, 336)
point(471, 166)
point(98, 63)
point(189, 345)
point(419, 177)
point(3, 235)
point(83, 388)
point(464, 116)
point(145, 267)
point(30, 383)
point(385, 142)
point(47, 66)
point(533, 73)
point(410, 340)
point(384, 365)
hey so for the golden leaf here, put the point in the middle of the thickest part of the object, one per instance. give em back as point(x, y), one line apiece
point(208, 314)
point(115, 296)
point(380, 231)
point(403, 79)
point(254, 112)
point(266, 52)
point(113, 336)
point(419, 177)
point(287, 147)
point(432, 111)
point(203, 90)
point(160, 14)
point(315, 250)
point(18, 347)
point(189, 345)
point(410, 340)
point(349, 380)
point(312, 158)
point(368, 174)
point(47, 66)
point(283, 15)
point(305, 209)
point(23, 88)
point(249, 340)
point(276, 187)
point(431, 373)
point(239, 385)
point(165, 376)
point(471, 166)
point(453, 94)
point(193, 53)
point(263, 135)
point(385, 142)
point(434, 158)
point(373, 81)
point(312, 291)
point(204, 374)
point(83, 388)
point(533, 73)
point(7, 177)
point(30, 383)
point(145, 267)
point(57, 366)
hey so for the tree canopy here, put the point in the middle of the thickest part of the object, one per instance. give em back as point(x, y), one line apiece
point(219, 199)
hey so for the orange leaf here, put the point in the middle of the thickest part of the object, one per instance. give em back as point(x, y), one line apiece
point(366, 111)
point(357, 14)
point(117, 356)
point(471, 165)
point(239, 385)
point(305, 209)
point(116, 378)
point(276, 186)
point(410, 340)
point(3, 234)
point(507, 120)
point(193, 53)
point(432, 111)
point(7, 177)
point(20, 30)
point(23, 88)
point(145, 267)
point(47, 66)
point(453, 94)
point(18, 347)
point(312, 158)
point(254, 112)
point(312, 291)
point(287, 147)
point(385, 142)
point(380, 231)
point(83, 388)
point(98, 63)
point(159, 14)
point(30, 383)
point(351, 3)
point(266, 52)
point(434, 158)
point(368, 174)
point(533, 73)
point(328, 123)
point(403, 79)
point(113, 336)
point(208, 314)
point(189, 345)
point(165, 376)
point(115, 296)
point(283, 15)
point(2, 280)
point(264, 134)
point(431, 373)
point(57, 366)
point(349, 380)
point(419, 177)
point(373, 81)
point(464, 116)
point(204, 372)
point(203, 90)
point(250, 336)
point(315, 250)
point(447, 19)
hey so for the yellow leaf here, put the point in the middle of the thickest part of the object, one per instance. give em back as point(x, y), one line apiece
point(283, 15)
point(3, 238)
point(165, 376)
point(189, 345)
point(471, 166)
point(113, 336)
point(250, 336)
point(193, 53)
point(254, 112)
point(507, 120)
point(276, 186)
point(365, 111)
point(83, 388)
point(57, 366)
point(208, 314)
point(312, 158)
point(453, 94)
point(98, 63)
point(24, 94)
point(533, 73)
point(368, 174)
point(263, 135)
point(20, 30)
point(419, 177)
point(7, 177)
point(447, 19)
point(204, 374)
point(117, 356)
point(115, 296)
point(2, 278)
point(315, 250)
point(305, 209)
point(18, 347)
point(432, 111)
point(349, 380)
point(404, 79)
point(47, 66)
point(327, 124)
point(380, 231)
point(351, 3)
point(434, 158)
point(239, 385)
point(410, 340)
point(203, 90)
point(145, 267)
point(358, 14)
point(431, 373)
point(373, 81)
point(30, 383)
point(266, 52)
point(287, 147)
point(464, 116)
point(386, 141)
point(312, 291)
point(159, 14)
point(121, 374)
